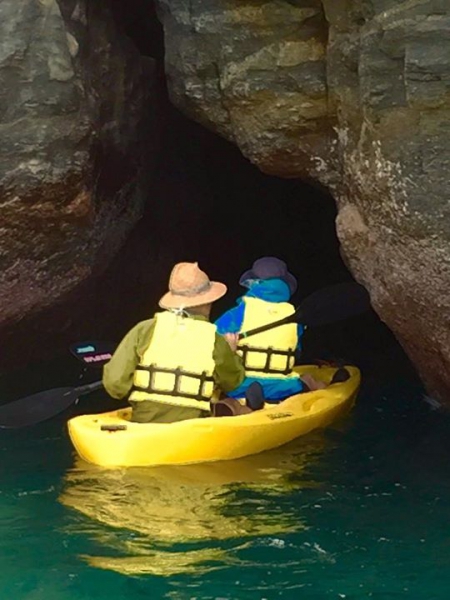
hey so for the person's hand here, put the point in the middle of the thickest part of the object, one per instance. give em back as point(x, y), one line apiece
point(232, 339)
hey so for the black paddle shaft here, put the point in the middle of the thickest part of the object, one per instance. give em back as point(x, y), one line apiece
point(328, 305)
point(290, 319)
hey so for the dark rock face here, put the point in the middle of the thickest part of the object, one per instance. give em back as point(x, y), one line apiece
point(255, 72)
point(391, 84)
point(73, 99)
point(356, 95)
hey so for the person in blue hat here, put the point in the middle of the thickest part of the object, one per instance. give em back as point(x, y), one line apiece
point(268, 357)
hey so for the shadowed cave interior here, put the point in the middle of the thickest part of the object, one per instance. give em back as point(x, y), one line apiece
point(208, 203)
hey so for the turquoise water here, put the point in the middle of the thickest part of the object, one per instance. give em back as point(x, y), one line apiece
point(357, 511)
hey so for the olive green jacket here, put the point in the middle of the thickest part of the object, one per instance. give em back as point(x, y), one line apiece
point(118, 372)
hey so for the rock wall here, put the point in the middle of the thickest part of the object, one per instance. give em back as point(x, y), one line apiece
point(354, 94)
point(391, 86)
point(74, 99)
point(255, 72)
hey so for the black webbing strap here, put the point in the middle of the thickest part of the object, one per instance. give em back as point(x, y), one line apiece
point(179, 373)
point(269, 352)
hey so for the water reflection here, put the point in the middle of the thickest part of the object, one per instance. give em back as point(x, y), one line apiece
point(162, 520)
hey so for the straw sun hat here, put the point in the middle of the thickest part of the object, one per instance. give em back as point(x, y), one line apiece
point(190, 286)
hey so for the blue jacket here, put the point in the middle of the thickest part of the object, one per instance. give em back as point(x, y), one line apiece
point(270, 290)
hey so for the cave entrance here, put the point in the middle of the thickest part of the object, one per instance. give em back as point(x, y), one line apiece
point(214, 206)
point(209, 204)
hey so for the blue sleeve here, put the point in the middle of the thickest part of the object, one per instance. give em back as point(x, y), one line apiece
point(300, 332)
point(231, 321)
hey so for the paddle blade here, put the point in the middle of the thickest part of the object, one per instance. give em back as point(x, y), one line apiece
point(93, 354)
point(334, 303)
point(36, 408)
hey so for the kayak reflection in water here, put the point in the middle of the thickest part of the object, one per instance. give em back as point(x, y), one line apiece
point(168, 366)
point(268, 357)
point(168, 520)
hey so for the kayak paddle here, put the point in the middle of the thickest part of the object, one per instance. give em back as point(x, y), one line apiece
point(42, 406)
point(45, 405)
point(328, 305)
point(93, 354)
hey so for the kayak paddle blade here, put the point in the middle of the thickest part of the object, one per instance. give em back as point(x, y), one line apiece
point(36, 408)
point(43, 405)
point(327, 305)
point(93, 354)
point(334, 303)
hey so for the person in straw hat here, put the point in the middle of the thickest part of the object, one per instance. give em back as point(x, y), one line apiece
point(168, 366)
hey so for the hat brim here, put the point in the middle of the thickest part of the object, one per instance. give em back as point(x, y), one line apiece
point(246, 276)
point(289, 279)
point(215, 291)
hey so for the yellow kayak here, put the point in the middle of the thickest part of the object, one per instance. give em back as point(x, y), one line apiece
point(112, 440)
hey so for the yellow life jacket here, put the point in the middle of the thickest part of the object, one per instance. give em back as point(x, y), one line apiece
point(271, 353)
point(177, 367)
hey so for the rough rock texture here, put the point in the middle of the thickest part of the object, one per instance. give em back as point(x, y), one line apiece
point(256, 73)
point(390, 66)
point(356, 95)
point(72, 115)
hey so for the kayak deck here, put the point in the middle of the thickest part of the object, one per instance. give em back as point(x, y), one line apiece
point(125, 444)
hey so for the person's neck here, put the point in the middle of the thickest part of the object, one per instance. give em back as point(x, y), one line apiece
point(199, 311)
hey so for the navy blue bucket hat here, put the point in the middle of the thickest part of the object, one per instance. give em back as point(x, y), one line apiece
point(270, 267)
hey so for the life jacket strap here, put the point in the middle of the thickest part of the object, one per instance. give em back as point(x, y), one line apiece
point(179, 373)
point(269, 352)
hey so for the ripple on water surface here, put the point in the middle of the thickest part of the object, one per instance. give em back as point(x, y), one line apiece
point(358, 511)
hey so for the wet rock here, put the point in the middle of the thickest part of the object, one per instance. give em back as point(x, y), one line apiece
point(255, 72)
point(73, 124)
point(354, 94)
point(391, 82)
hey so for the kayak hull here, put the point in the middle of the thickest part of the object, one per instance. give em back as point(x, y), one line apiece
point(210, 439)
